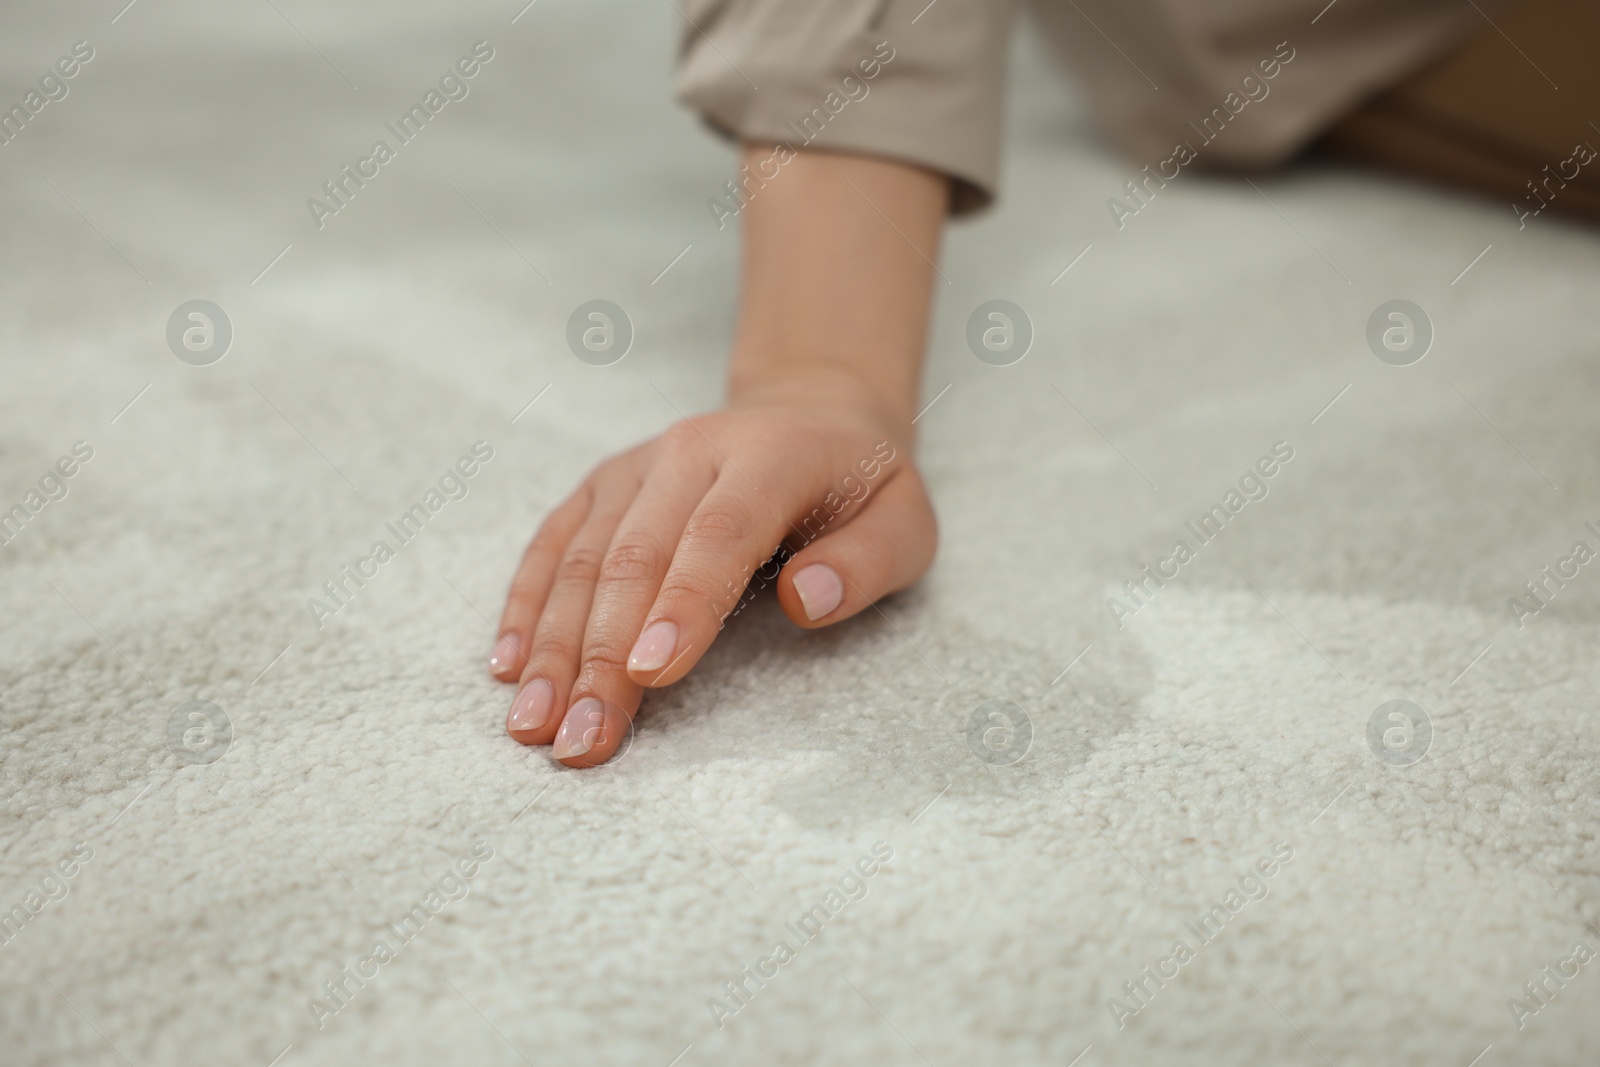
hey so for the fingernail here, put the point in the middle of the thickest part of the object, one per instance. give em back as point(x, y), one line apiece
point(655, 646)
point(582, 729)
point(505, 654)
point(531, 709)
point(820, 590)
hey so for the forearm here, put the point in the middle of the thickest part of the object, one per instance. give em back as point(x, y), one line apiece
point(836, 282)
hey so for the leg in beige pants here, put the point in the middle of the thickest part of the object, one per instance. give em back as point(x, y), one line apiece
point(1514, 112)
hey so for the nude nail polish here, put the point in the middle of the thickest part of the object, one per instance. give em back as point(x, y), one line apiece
point(505, 654)
point(821, 591)
point(582, 729)
point(655, 647)
point(531, 709)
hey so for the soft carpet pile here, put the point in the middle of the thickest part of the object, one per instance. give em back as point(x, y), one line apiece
point(954, 881)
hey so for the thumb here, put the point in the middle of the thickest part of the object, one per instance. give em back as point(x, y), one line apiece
point(884, 549)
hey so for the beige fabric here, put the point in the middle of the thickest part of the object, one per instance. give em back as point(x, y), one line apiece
point(760, 69)
point(1239, 83)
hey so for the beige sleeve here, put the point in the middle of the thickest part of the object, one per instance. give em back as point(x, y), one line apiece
point(903, 79)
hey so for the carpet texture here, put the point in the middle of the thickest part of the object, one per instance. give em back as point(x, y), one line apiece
point(187, 890)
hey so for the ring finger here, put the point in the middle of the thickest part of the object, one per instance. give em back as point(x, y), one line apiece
point(558, 635)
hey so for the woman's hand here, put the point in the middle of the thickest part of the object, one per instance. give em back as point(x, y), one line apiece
point(627, 583)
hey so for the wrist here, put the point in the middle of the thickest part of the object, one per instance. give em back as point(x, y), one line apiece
point(826, 384)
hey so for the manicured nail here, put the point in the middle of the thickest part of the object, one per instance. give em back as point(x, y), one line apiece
point(655, 646)
point(582, 729)
point(505, 654)
point(531, 709)
point(820, 590)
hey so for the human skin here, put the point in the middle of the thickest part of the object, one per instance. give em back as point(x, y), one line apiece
point(627, 582)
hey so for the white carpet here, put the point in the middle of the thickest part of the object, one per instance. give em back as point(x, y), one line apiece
point(1228, 718)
